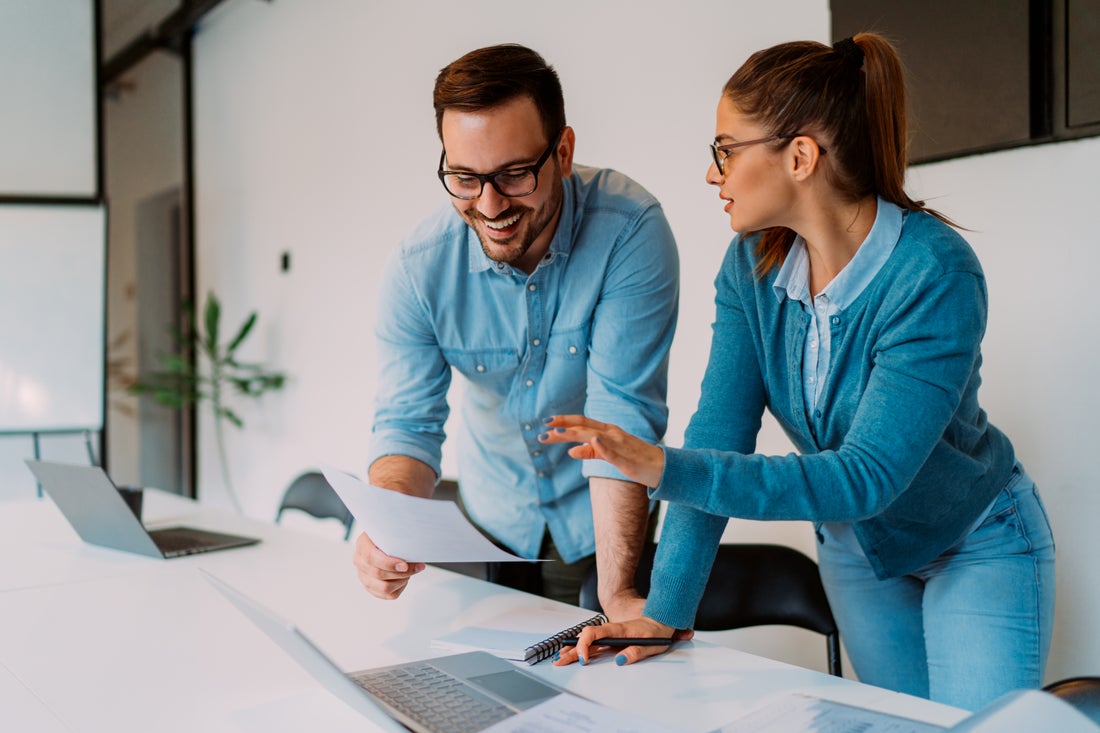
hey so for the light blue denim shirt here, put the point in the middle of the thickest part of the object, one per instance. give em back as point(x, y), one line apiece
point(793, 281)
point(587, 332)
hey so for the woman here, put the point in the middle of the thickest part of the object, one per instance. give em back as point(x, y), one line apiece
point(855, 315)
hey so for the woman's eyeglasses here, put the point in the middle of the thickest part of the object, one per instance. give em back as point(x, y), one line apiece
point(721, 153)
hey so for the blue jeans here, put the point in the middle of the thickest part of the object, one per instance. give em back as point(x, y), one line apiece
point(967, 627)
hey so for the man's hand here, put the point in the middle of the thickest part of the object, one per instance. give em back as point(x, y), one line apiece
point(382, 575)
point(385, 576)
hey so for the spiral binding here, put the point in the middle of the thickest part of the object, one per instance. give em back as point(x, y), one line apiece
point(548, 647)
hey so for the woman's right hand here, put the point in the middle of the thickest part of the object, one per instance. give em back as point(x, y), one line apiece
point(588, 643)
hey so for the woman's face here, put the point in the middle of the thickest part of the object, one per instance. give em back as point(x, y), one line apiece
point(753, 181)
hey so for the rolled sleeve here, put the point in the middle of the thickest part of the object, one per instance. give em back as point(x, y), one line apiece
point(411, 402)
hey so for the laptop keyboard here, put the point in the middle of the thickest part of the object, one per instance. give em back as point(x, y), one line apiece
point(433, 698)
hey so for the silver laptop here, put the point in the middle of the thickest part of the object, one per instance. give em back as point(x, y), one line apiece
point(452, 694)
point(92, 504)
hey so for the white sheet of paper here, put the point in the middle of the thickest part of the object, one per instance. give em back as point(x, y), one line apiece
point(571, 714)
point(412, 528)
point(796, 711)
point(1027, 711)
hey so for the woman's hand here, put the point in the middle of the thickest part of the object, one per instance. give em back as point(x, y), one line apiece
point(588, 643)
point(637, 459)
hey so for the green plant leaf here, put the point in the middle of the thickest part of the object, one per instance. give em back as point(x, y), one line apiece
point(232, 417)
point(211, 319)
point(241, 334)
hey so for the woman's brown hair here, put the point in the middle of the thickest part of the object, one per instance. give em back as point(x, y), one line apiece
point(851, 98)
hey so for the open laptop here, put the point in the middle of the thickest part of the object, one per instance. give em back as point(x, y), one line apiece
point(452, 694)
point(99, 514)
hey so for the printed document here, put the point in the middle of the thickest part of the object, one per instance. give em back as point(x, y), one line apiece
point(412, 528)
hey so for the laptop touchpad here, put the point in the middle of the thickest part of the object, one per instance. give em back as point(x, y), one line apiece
point(518, 689)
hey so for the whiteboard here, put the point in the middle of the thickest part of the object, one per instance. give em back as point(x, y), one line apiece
point(48, 84)
point(52, 313)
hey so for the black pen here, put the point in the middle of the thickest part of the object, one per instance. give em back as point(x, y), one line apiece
point(621, 641)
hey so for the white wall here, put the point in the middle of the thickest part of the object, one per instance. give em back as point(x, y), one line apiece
point(315, 135)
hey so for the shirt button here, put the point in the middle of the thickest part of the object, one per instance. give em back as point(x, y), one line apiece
point(813, 344)
point(526, 427)
point(536, 342)
point(530, 383)
point(542, 474)
point(480, 367)
point(537, 453)
point(836, 320)
point(532, 287)
point(572, 349)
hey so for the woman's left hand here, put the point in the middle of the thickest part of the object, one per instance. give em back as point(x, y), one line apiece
point(637, 459)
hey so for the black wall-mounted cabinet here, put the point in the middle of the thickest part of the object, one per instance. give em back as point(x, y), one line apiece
point(989, 74)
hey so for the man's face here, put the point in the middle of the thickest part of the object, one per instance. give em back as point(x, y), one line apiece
point(514, 230)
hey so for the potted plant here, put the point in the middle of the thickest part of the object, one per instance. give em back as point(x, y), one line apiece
point(205, 369)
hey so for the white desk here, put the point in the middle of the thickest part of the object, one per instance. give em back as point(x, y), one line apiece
point(96, 640)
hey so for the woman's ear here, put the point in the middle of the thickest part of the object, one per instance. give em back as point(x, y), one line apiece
point(805, 156)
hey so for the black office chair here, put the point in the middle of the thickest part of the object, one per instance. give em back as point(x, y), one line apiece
point(1082, 693)
point(312, 494)
point(751, 585)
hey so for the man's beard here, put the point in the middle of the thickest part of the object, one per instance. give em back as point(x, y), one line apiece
point(534, 222)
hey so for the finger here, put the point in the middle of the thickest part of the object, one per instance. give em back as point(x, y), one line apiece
point(581, 452)
point(588, 641)
point(567, 435)
point(370, 560)
point(565, 655)
point(386, 590)
point(600, 450)
point(633, 654)
point(569, 421)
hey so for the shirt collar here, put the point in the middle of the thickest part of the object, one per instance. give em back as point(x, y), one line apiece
point(793, 279)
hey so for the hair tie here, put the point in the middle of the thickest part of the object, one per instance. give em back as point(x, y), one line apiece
point(850, 51)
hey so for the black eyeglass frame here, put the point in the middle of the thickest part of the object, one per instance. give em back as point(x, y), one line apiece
point(719, 152)
point(490, 178)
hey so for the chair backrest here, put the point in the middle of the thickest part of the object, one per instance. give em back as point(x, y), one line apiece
point(312, 494)
point(1082, 693)
point(752, 585)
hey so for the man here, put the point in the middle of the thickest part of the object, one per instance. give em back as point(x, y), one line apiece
point(552, 288)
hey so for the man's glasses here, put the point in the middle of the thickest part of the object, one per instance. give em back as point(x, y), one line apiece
point(721, 153)
point(511, 182)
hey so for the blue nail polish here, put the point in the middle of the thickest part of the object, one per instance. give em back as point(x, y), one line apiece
point(583, 661)
point(557, 656)
point(548, 420)
point(559, 430)
point(620, 660)
point(544, 436)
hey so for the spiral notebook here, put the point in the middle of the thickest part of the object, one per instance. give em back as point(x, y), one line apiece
point(523, 635)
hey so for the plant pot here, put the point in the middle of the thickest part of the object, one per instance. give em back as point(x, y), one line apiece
point(132, 495)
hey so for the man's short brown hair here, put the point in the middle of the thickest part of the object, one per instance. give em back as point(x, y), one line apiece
point(493, 75)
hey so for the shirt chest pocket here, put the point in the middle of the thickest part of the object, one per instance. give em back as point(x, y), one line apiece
point(484, 366)
point(568, 343)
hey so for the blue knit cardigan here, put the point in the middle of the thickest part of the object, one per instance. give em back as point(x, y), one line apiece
point(898, 446)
